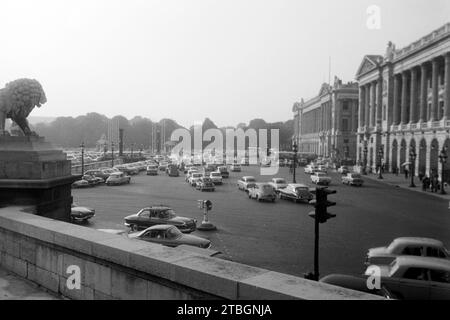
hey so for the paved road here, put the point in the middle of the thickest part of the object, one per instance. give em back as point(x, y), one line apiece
point(280, 236)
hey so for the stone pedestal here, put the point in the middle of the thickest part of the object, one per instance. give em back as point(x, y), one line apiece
point(34, 173)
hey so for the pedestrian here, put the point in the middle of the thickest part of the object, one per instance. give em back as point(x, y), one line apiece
point(421, 176)
point(396, 171)
point(406, 172)
point(425, 183)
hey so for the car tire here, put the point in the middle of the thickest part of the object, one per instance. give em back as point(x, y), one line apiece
point(134, 227)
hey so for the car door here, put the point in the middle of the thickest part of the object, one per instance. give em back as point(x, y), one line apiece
point(414, 284)
point(154, 219)
point(143, 218)
point(439, 284)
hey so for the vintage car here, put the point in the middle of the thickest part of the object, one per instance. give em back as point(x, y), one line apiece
point(297, 193)
point(343, 170)
point(262, 192)
point(190, 172)
point(414, 278)
point(100, 173)
point(224, 172)
point(310, 169)
point(172, 171)
point(118, 179)
point(194, 178)
point(320, 178)
point(278, 183)
point(205, 184)
point(235, 167)
point(162, 166)
point(127, 169)
point(353, 179)
point(81, 184)
point(407, 246)
point(92, 180)
point(244, 181)
point(216, 177)
point(81, 214)
point(152, 170)
point(171, 236)
point(159, 214)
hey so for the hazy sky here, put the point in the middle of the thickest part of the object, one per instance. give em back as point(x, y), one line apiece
point(230, 60)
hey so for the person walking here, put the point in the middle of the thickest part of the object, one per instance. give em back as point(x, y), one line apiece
point(425, 183)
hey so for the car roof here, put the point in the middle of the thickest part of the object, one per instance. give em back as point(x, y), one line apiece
point(423, 262)
point(163, 227)
point(419, 240)
point(248, 177)
point(157, 206)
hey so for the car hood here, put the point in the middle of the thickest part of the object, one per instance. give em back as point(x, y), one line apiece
point(181, 220)
point(83, 209)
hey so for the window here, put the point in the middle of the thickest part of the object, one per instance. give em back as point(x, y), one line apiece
point(145, 214)
point(440, 276)
point(435, 252)
point(415, 274)
point(412, 251)
point(345, 105)
point(344, 124)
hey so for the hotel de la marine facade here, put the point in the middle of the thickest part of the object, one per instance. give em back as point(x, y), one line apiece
point(400, 103)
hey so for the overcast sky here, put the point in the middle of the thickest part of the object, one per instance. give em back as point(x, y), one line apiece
point(229, 60)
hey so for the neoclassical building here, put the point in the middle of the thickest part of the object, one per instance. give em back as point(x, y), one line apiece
point(326, 125)
point(404, 104)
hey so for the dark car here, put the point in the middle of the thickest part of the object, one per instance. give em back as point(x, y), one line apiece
point(170, 236)
point(224, 172)
point(157, 215)
point(98, 173)
point(81, 214)
point(205, 184)
point(92, 180)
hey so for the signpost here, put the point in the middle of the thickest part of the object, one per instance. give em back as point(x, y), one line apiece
point(206, 225)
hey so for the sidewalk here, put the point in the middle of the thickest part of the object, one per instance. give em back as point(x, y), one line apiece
point(13, 287)
point(400, 182)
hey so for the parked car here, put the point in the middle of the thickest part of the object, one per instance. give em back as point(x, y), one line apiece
point(216, 177)
point(98, 173)
point(190, 172)
point(235, 167)
point(278, 183)
point(322, 169)
point(407, 246)
point(92, 180)
point(81, 214)
point(159, 214)
point(244, 181)
point(127, 170)
point(118, 179)
point(224, 172)
point(205, 184)
point(152, 170)
point(81, 184)
point(163, 166)
point(171, 236)
point(297, 193)
point(415, 278)
point(343, 170)
point(353, 179)
point(262, 192)
point(320, 178)
point(309, 169)
point(194, 178)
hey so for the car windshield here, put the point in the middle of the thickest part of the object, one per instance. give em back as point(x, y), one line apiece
point(301, 189)
point(197, 175)
point(214, 174)
point(320, 174)
point(356, 176)
point(250, 180)
point(266, 187)
point(167, 214)
point(280, 181)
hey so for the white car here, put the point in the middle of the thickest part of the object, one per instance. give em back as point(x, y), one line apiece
point(278, 183)
point(194, 178)
point(244, 182)
point(320, 178)
point(309, 169)
point(415, 278)
point(407, 246)
point(216, 177)
point(118, 179)
point(189, 173)
point(235, 167)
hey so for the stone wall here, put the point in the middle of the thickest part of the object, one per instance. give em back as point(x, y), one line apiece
point(115, 267)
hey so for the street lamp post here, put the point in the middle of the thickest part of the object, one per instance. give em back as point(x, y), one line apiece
point(112, 154)
point(443, 159)
point(140, 150)
point(412, 159)
point(295, 149)
point(82, 158)
point(380, 162)
point(105, 148)
point(132, 147)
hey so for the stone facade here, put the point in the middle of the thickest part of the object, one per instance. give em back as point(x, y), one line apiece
point(405, 105)
point(326, 125)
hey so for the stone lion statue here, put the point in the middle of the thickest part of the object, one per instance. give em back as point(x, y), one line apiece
point(17, 99)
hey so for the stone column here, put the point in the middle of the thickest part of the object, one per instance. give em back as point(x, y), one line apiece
point(367, 106)
point(435, 88)
point(423, 93)
point(396, 100)
point(362, 106)
point(447, 87)
point(404, 115)
point(413, 100)
point(373, 103)
point(379, 117)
